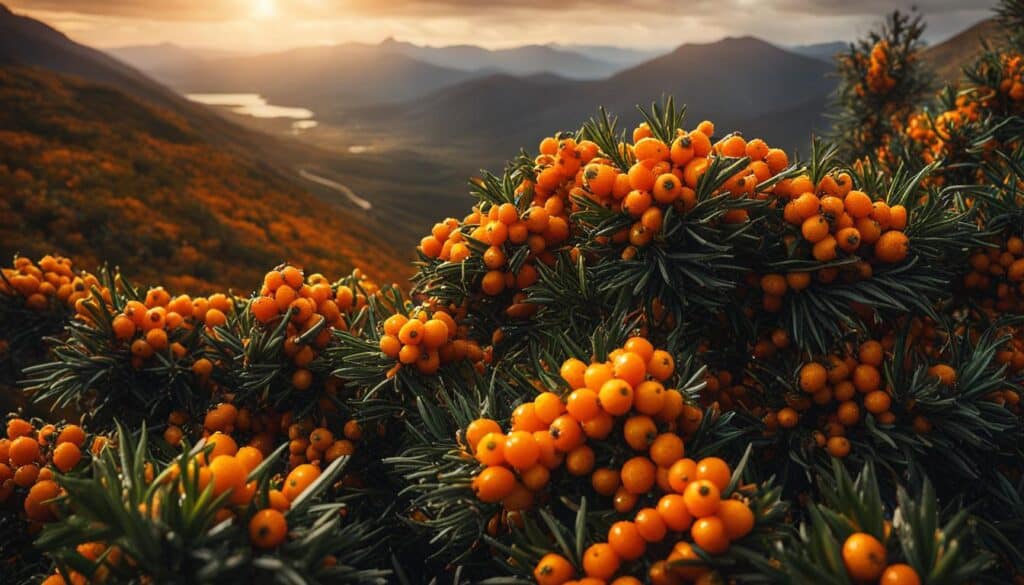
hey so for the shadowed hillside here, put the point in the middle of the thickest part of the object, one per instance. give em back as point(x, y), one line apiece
point(950, 55)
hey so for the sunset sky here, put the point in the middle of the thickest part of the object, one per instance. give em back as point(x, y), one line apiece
point(265, 25)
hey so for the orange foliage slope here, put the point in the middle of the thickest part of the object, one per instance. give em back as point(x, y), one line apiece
point(90, 171)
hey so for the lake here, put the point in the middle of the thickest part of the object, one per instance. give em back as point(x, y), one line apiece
point(255, 105)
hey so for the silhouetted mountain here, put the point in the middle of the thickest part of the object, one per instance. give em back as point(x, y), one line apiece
point(730, 81)
point(335, 78)
point(822, 51)
point(950, 55)
point(525, 60)
point(319, 78)
point(623, 57)
point(164, 55)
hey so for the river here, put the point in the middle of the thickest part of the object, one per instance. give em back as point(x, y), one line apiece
point(339, 187)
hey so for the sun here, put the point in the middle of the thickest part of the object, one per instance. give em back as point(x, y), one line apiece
point(263, 8)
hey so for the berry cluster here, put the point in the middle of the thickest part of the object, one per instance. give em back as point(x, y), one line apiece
point(30, 456)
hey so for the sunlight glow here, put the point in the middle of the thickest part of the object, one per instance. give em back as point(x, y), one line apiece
point(263, 8)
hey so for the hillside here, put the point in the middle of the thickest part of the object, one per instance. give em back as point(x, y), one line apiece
point(950, 55)
point(89, 171)
point(730, 81)
point(27, 41)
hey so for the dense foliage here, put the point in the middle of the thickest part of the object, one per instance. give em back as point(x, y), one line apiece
point(671, 356)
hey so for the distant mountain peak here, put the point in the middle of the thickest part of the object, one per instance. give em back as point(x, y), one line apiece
point(4, 10)
point(730, 42)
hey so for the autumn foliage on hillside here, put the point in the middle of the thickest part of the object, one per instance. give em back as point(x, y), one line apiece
point(89, 171)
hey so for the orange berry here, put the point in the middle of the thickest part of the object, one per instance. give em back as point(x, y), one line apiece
point(737, 518)
point(480, 427)
point(490, 450)
point(714, 470)
point(17, 427)
point(702, 498)
point(548, 406)
point(650, 525)
point(580, 461)
point(674, 513)
point(638, 475)
point(661, 365)
point(572, 371)
point(299, 479)
point(553, 569)
point(616, 396)
point(228, 474)
point(66, 456)
point(521, 451)
point(813, 377)
point(567, 433)
point(23, 451)
point(681, 474)
point(667, 449)
point(710, 534)
point(630, 367)
point(892, 247)
point(36, 503)
point(600, 561)
point(268, 528)
point(411, 332)
point(583, 404)
point(649, 397)
point(605, 481)
point(858, 204)
point(864, 557)
point(899, 574)
point(626, 541)
point(494, 483)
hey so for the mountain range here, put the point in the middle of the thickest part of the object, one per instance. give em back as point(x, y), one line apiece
point(738, 82)
point(165, 55)
point(101, 163)
point(496, 101)
point(175, 64)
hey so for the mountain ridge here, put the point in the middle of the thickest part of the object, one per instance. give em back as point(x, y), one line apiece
point(960, 49)
point(510, 112)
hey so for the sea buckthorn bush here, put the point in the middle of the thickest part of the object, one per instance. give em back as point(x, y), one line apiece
point(662, 354)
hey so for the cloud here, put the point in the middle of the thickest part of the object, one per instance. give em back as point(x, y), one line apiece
point(262, 25)
point(202, 10)
point(148, 9)
point(876, 7)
